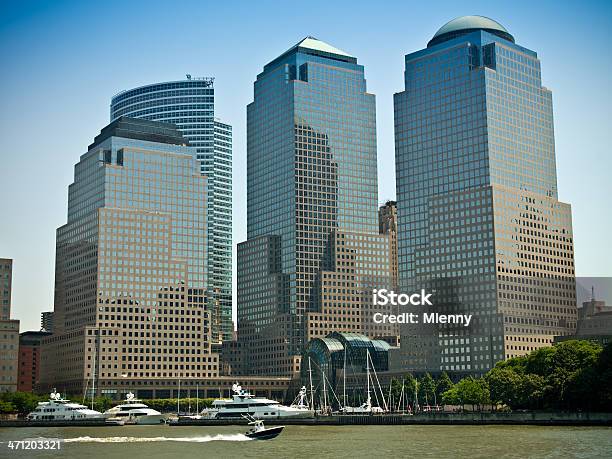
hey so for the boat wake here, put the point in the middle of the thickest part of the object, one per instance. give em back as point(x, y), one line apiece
point(202, 439)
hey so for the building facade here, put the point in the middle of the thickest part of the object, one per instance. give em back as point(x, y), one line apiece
point(479, 221)
point(131, 278)
point(311, 177)
point(46, 321)
point(29, 360)
point(6, 286)
point(594, 322)
point(387, 224)
point(9, 330)
point(359, 264)
point(9, 355)
point(190, 105)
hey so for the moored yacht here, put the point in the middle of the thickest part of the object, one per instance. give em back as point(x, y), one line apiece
point(58, 408)
point(365, 408)
point(133, 411)
point(244, 403)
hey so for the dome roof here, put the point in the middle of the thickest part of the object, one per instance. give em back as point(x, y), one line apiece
point(466, 24)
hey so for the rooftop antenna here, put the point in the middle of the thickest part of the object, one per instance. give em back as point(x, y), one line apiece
point(188, 76)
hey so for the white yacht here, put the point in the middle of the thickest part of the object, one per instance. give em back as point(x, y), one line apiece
point(243, 403)
point(365, 408)
point(58, 408)
point(133, 411)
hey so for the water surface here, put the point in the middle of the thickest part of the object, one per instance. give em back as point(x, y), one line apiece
point(135, 442)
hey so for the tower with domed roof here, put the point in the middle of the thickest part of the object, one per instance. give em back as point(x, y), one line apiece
point(479, 221)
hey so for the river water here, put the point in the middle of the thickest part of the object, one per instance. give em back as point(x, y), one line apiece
point(186, 442)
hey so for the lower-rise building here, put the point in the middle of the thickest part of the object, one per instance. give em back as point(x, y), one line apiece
point(9, 350)
point(9, 330)
point(594, 322)
point(29, 360)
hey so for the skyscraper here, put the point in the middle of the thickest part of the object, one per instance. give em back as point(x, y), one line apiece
point(130, 287)
point(311, 174)
point(190, 105)
point(479, 221)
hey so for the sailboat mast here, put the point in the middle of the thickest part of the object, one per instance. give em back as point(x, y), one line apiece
point(368, 374)
point(344, 380)
point(85, 392)
point(311, 389)
point(379, 386)
point(324, 392)
point(93, 374)
point(178, 399)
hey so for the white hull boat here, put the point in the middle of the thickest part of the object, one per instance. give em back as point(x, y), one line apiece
point(60, 409)
point(244, 403)
point(133, 411)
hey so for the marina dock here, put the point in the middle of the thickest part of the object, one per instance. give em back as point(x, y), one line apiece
point(476, 418)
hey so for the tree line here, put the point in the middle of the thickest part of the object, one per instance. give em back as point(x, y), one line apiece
point(571, 375)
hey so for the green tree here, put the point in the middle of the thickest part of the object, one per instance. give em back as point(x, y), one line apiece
point(410, 389)
point(566, 360)
point(540, 361)
point(603, 389)
point(427, 389)
point(7, 407)
point(23, 402)
point(443, 384)
point(530, 391)
point(101, 404)
point(573, 374)
point(396, 392)
point(574, 355)
point(451, 396)
point(473, 391)
point(503, 383)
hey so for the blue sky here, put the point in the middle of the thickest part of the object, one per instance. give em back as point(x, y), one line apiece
point(63, 60)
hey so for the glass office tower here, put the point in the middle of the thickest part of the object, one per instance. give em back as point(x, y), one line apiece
point(311, 169)
point(190, 105)
point(130, 288)
point(478, 217)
